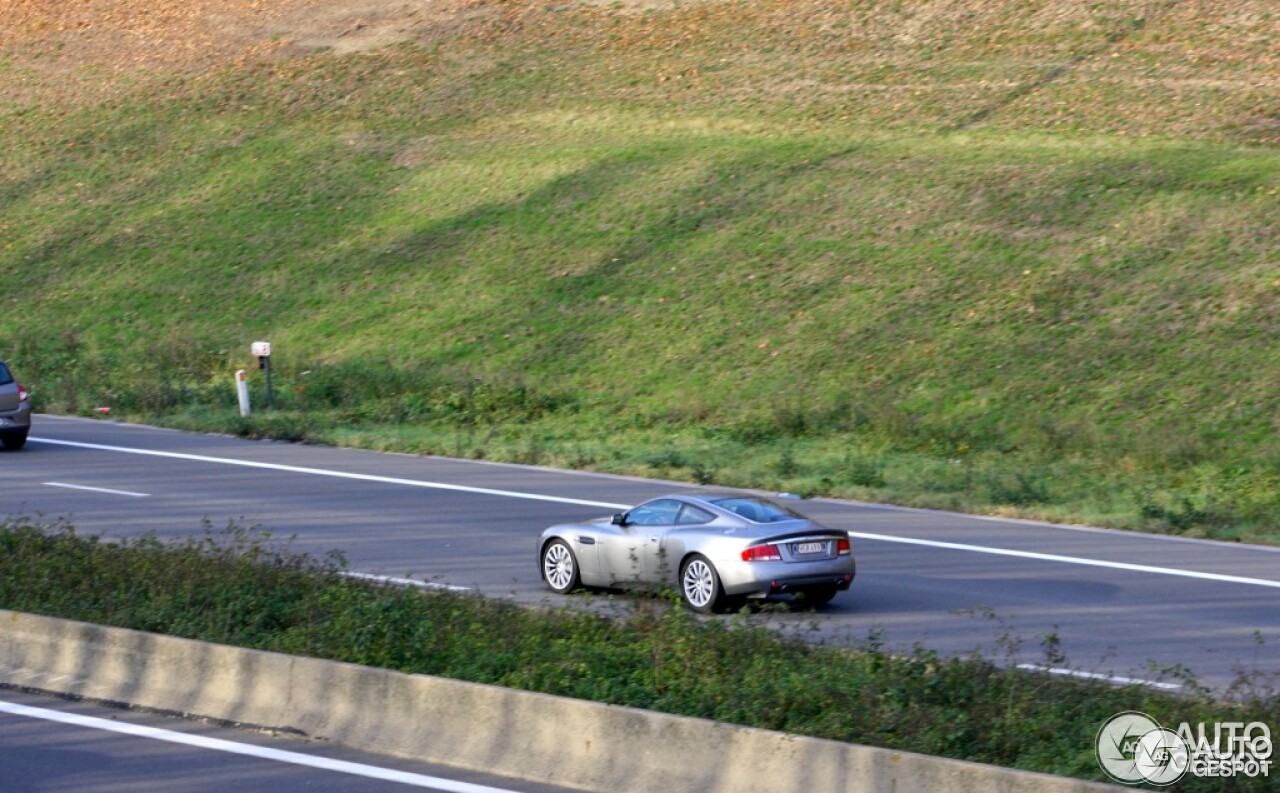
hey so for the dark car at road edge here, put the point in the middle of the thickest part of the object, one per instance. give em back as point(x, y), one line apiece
point(15, 410)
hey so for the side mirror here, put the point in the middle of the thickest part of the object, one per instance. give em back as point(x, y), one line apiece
point(620, 519)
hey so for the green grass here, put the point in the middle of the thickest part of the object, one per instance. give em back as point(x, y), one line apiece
point(239, 587)
point(985, 257)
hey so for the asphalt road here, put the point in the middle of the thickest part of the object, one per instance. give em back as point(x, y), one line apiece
point(1121, 604)
point(51, 744)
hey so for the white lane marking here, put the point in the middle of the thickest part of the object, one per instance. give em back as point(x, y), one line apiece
point(1039, 524)
point(1044, 557)
point(260, 752)
point(387, 579)
point(1124, 681)
point(98, 489)
point(294, 469)
point(1050, 557)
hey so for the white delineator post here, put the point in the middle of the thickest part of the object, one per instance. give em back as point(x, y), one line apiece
point(242, 391)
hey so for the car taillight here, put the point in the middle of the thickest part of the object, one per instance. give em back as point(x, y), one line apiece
point(762, 553)
point(842, 547)
point(23, 396)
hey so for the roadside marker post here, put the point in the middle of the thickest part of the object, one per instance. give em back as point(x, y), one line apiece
point(262, 349)
point(242, 391)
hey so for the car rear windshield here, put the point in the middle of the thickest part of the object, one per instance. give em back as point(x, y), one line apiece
point(756, 509)
point(5, 377)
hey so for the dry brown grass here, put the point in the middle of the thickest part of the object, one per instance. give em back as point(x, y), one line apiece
point(1134, 67)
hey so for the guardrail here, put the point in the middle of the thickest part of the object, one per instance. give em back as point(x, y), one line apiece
point(532, 736)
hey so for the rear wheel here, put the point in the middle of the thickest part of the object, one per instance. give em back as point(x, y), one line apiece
point(560, 567)
point(700, 586)
point(14, 440)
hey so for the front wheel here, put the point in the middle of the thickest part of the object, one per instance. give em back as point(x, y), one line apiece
point(560, 567)
point(700, 586)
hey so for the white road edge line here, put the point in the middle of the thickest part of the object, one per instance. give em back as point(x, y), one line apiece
point(294, 469)
point(260, 752)
point(98, 489)
point(1044, 557)
point(1050, 557)
point(1124, 681)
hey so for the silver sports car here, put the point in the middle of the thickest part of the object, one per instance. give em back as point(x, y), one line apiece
point(718, 551)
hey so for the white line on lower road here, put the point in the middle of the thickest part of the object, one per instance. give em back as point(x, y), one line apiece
point(260, 752)
point(98, 489)
point(1124, 681)
point(409, 582)
point(1044, 557)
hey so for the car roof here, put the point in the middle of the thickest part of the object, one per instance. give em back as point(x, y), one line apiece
point(713, 497)
point(714, 501)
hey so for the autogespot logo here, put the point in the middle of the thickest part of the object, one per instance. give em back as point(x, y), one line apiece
point(1132, 748)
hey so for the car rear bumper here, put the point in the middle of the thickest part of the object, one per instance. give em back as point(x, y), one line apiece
point(776, 578)
point(15, 420)
point(840, 582)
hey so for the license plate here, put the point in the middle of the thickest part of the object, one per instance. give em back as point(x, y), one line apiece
point(810, 547)
point(6, 422)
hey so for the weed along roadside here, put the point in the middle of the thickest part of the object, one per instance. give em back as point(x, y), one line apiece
point(235, 601)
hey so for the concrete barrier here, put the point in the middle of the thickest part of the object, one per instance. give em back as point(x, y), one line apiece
point(532, 736)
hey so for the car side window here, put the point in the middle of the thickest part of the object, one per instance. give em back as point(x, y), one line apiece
point(691, 516)
point(655, 513)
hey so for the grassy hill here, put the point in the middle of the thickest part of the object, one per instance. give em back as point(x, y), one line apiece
point(1011, 256)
